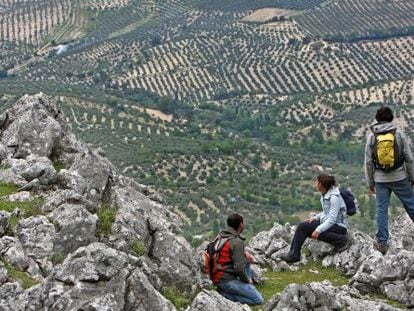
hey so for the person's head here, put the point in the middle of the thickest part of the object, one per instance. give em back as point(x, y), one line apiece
point(324, 182)
point(384, 114)
point(235, 221)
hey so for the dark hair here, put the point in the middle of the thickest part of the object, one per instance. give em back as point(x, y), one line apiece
point(327, 181)
point(234, 220)
point(384, 114)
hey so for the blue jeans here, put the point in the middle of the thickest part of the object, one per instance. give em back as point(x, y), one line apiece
point(238, 291)
point(404, 192)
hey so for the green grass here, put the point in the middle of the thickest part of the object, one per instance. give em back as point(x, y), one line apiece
point(22, 277)
point(139, 248)
point(178, 299)
point(6, 189)
point(58, 165)
point(30, 208)
point(58, 258)
point(277, 281)
point(106, 219)
point(381, 297)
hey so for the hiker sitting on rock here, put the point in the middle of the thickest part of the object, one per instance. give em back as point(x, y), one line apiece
point(328, 226)
point(234, 278)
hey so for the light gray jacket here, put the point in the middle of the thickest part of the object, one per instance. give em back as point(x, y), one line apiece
point(333, 211)
point(373, 175)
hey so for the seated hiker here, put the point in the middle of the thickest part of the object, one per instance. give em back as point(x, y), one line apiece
point(234, 280)
point(328, 226)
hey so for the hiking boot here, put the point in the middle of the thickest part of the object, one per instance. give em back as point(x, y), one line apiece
point(381, 247)
point(288, 258)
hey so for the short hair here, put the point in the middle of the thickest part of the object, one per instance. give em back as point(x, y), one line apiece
point(384, 114)
point(234, 220)
point(327, 181)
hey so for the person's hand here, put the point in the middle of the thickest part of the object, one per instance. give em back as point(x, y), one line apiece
point(372, 190)
point(249, 257)
point(250, 281)
point(315, 235)
point(312, 219)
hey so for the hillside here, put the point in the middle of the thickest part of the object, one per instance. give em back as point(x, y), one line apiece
point(75, 234)
point(219, 106)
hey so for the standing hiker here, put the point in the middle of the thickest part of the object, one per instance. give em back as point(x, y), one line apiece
point(388, 168)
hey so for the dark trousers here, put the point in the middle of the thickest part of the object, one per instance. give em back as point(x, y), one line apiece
point(335, 235)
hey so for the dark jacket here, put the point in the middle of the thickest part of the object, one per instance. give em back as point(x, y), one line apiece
point(237, 266)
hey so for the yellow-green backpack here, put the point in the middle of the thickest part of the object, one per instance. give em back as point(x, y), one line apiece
point(387, 154)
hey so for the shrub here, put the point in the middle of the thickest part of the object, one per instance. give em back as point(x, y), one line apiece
point(178, 299)
point(106, 219)
point(139, 248)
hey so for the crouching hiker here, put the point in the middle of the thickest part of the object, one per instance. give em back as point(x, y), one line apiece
point(228, 264)
point(328, 226)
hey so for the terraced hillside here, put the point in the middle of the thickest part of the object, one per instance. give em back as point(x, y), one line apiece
point(219, 105)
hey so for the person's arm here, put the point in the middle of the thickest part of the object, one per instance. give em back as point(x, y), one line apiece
point(332, 214)
point(369, 163)
point(408, 157)
point(239, 260)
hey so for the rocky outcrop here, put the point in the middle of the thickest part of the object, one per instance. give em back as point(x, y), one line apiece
point(213, 301)
point(368, 269)
point(323, 296)
point(74, 267)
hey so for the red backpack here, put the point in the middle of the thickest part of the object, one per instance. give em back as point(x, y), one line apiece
point(217, 255)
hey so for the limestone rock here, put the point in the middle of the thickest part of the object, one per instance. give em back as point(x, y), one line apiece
point(391, 273)
point(213, 301)
point(97, 277)
point(62, 196)
point(140, 219)
point(4, 222)
point(31, 127)
point(76, 227)
point(3, 152)
point(142, 296)
point(323, 296)
point(13, 297)
point(37, 236)
point(12, 250)
point(4, 275)
point(97, 172)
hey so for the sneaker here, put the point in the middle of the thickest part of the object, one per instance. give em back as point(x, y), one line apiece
point(381, 247)
point(344, 247)
point(288, 258)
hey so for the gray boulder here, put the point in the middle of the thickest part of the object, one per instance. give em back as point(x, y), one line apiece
point(142, 296)
point(4, 222)
point(213, 301)
point(97, 172)
point(393, 274)
point(13, 297)
point(3, 152)
point(97, 277)
point(140, 219)
point(75, 227)
point(402, 234)
point(37, 236)
point(62, 196)
point(12, 250)
point(324, 297)
point(31, 126)
point(4, 274)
